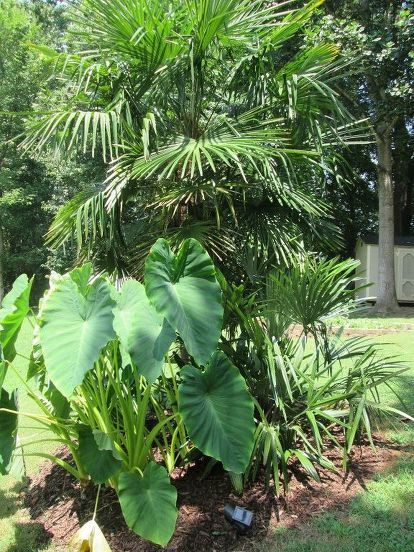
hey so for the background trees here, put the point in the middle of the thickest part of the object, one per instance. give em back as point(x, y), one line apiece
point(31, 189)
point(26, 185)
point(96, 102)
point(379, 36)
point(22, 186)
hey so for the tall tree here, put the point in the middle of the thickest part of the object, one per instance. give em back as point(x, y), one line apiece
point(380, 35)
point(403, 178)
point(20, 78)
point(212, 130)
point(31, 190)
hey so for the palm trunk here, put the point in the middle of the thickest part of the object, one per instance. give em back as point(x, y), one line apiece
point(386, 294)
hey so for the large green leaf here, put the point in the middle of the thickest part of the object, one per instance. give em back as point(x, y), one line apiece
point(183, 288)
point(217, 410)
point(145, 335)
point(74, 329)
point(98, 461)
point(8, 430)
point(15, 307)
point(149, 503)
point(59, 403)
point(17, 468)
point(81, 276)
point(3, 367)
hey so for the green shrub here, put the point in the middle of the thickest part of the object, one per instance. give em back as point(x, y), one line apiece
point(108, 387)
point(310, 293)
point(317, 401)
point(311, 393)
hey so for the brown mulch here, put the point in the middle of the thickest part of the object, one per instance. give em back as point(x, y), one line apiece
point(56, 501)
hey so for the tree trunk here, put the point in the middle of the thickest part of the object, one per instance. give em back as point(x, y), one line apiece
point(386, 294)
point(403, 171)
point(1, 264)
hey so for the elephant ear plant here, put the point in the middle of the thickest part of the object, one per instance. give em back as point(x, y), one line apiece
point(126, 375)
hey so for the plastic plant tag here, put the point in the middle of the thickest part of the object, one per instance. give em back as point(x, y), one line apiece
point(239, 517)
point(242, 516)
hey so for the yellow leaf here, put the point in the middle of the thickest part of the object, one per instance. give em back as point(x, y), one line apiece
point(89, 538)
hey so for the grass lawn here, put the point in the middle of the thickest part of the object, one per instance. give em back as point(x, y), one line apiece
point(17, 532)
point(366, 318)
point(381, 519)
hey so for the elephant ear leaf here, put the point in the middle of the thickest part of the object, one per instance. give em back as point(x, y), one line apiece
point(14, 309)
point(8, 432)
point(144, 334)
point(73, 330)
point(81, 276)
point(96, 455)
point(183, 288)
point(148, 503)
point(58, 403)
point(3, 367)
point(217, 411)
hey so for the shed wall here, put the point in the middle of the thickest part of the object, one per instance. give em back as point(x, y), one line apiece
point(367, 254)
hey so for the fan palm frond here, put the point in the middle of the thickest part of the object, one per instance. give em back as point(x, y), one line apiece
point(200, 116)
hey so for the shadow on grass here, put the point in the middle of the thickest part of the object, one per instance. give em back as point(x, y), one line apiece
point(399, 430)
point(405, 391)
point(29, 537)
point(380, 519)
point(370, 313)
point(9, 501)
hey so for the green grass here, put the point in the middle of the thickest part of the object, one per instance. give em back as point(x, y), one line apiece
point(17, 532)
point(380, 519)
point(400, 346)
point(370, 320)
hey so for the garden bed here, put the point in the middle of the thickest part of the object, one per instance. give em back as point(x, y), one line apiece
point(54, 501)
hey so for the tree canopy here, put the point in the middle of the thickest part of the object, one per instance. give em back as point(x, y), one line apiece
point(212, 127)
point(143, 120)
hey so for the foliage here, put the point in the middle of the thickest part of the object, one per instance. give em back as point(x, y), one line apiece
point(319, 400)
point(379, 34)
point(311, 393)
point(127, 425)
point(94, 396)
point(14, 308)
point(386, 82)
point(31, 190)
point(212, 134)
point(309, 293)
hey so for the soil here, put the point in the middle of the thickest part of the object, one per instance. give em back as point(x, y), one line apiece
point(56, 501)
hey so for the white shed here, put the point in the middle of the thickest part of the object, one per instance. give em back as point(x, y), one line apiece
point(367, 253)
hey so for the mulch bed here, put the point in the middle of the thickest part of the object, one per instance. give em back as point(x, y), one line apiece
point(55, 500)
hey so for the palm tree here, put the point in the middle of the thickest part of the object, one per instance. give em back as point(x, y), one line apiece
point(208, 129)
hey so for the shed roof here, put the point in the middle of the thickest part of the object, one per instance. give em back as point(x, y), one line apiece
point(372, 239)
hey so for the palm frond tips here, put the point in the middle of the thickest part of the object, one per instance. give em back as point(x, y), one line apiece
point(86, 219)
point(197, 110)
